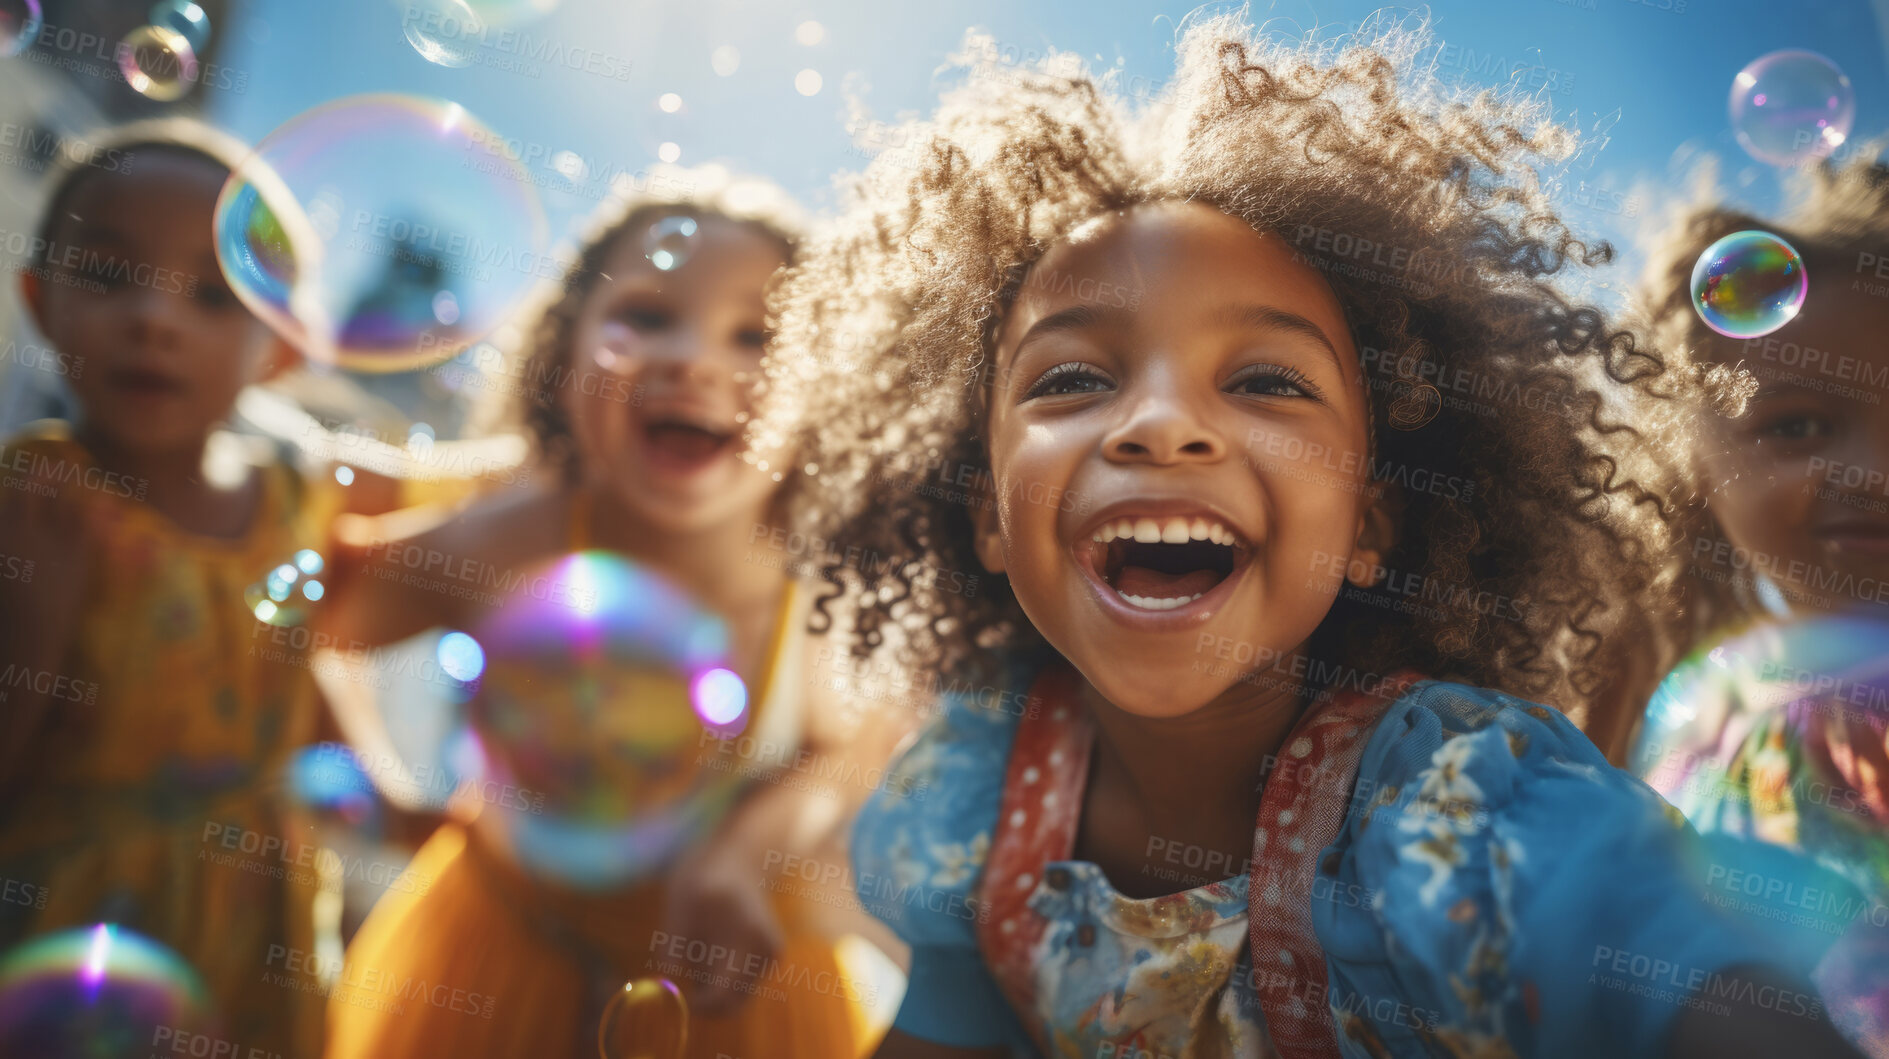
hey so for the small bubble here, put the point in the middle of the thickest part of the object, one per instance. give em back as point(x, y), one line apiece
point(808, 82)
point(725, 60)
point(669, 102)
point(809, 33)
point(670, 241)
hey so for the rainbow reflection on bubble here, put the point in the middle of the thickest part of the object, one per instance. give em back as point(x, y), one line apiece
point(606, 701)
point(1826, 663)
point(382, 232)
point(19, 26)
point(1749, 284)
point(646, 1019)
point(1791, 107)
point(98, 991)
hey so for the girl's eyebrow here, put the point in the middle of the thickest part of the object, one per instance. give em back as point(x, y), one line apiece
point(1074, 318)
point(1272, 318)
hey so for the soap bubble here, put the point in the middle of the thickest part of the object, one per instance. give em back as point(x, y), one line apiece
point(19, 26)
point(444, 32)
point(184, 18)
point(599, 682)
point(382, 232)
point(1748, 284)
point(1791, 107)
point(671, 241)
point(646, 1019)
point(97, 992)
point(327, 777)
point(450, 32)
point(283, 595)
point(157, 62)
point(1827, 671)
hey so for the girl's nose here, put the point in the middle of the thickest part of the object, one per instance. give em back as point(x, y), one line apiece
point(1161, 427)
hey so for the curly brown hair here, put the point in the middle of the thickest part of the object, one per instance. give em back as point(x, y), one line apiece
point(1835, 210)
point(702, 190)
point(881, 366)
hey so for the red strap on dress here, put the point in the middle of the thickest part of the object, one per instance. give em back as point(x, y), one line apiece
point(1308, 795)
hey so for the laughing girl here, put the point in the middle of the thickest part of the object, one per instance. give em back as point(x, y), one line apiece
point(1269, 412)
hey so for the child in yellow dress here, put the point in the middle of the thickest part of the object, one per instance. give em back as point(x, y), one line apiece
point(147, 712)
point(636, 392)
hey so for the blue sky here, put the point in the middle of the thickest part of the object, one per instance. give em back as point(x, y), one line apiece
point(1664, 65)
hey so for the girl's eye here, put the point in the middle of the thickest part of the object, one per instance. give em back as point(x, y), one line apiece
point(644, 319)
point(1267, 380)
point(1799, 426)
point(752, 338)
point(1070, 378)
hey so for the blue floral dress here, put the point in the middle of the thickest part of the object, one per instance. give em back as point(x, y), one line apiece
point(1436, 870)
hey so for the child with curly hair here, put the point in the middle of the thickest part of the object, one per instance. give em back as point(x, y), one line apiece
point(1774, 727)
point(1270, 423)
point(635, 392)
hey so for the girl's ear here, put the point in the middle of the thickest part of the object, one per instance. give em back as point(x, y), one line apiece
point(1379, 526)
point(986, 526)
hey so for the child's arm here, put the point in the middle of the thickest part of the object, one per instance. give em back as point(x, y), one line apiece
point(717, 893)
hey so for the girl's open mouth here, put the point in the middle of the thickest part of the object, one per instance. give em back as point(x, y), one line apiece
point(1162, 563)
point(684, 445)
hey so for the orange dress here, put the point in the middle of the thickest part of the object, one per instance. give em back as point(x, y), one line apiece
point(483, 960)
point(154, 798)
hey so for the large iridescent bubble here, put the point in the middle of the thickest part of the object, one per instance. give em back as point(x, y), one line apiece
point(99, 992)
point(604, 705)
point(1834, 665)
point(1791, 107)
point(1749, 284)
point(382, 232)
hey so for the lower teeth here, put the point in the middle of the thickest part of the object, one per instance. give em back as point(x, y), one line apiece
point(1147, 603)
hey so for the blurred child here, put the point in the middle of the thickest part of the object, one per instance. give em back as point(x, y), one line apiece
point(1775, 727)
point(146, 722)
point(1269, 425)
point(637, 389)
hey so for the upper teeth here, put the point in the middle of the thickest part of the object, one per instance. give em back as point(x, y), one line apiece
point(1164, 531)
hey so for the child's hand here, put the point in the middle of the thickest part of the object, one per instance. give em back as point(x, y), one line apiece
point(717, 899)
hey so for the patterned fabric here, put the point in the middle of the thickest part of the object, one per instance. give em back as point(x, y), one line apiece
point(1780, 734)
point(155, 792)
point(1457, 907)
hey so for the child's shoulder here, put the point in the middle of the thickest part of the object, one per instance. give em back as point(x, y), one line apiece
point(1431, 715)
point(928, 828)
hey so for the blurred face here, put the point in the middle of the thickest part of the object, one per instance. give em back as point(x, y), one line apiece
point(1801, 483)
point(1177, 441)
point(663, 375)
point(133, 289)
